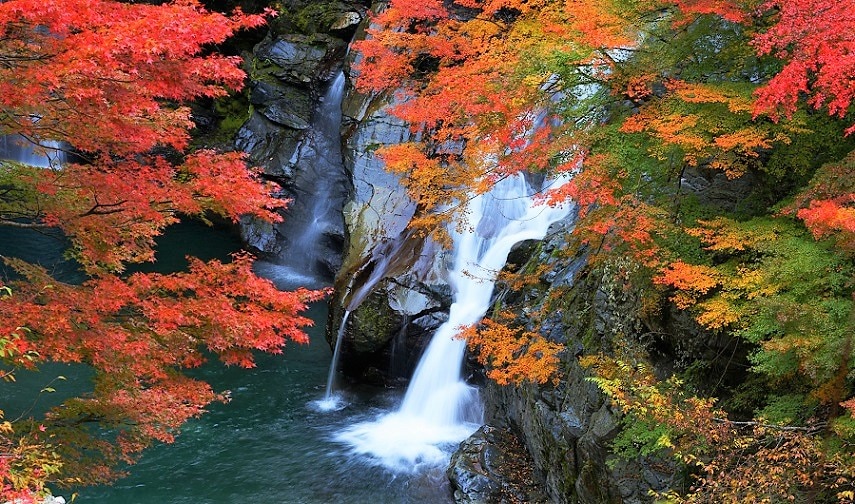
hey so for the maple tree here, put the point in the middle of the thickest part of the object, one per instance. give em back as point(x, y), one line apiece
point(632, 98)
point(106, 78)
point(734, 461)
point(512, 354)
point(782, 291)
point(108, 81)
point(827, 204)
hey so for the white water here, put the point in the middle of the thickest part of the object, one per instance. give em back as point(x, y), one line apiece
point(331, 400)
point(314, 214)
point(440, 409)
point(47, 154)
point(324, 149)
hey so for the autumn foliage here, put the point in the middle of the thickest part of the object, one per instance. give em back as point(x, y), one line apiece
point(138, 333)
point(653, 106)
point(512, 354)
point(735, 461)
point(110, 81)
point(107, 78)
point(639, 101)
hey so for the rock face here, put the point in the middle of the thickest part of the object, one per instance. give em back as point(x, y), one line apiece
point(288, 71)
point(492, 467)
point(392, 283)
point(294, 133)
point(391, 279)
point(567, 429)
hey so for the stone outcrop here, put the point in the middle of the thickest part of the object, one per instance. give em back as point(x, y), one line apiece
point(567, 429)
point(293, 133)
point(287, 72)
point(492, 467)
point(391, 279)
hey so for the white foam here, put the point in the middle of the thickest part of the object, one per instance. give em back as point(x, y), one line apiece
point(440, 409)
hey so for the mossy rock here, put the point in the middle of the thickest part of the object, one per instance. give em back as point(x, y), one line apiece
point(373, 324)
point(310, 17)
point(233, 111)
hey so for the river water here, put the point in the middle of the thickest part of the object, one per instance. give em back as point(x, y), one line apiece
point(270, 444)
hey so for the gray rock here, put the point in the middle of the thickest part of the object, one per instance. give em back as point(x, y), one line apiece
point(491, 467)
point(260, 235)
point(294, 133)
point(297, 58)
point(347, 20)
point(283, 104)
point(714, 188)
point(269, 145)
point(396, 273)
point(285, 113)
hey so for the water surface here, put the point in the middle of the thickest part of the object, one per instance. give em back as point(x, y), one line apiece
point(269, 444)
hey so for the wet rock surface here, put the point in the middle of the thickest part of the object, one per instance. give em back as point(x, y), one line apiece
point(289, 73)
point(294, 58)
point(568, 428)
point(392, 279)
point(294, 133)
point(492, 467)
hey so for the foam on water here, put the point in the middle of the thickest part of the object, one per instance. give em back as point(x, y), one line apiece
point(440, 409)
point(331, 402)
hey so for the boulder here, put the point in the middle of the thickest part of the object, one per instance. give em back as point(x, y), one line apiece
point(491, 467)
point(295, 59)
point(391, 278)
point(269, 145)
point(283, 104)
point(346, 20)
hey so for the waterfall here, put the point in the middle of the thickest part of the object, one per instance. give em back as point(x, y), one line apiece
point(336, 351)
point(439, 408)
point(331, 401)
point(313, 219)
point(46, 154)
point(327, 127)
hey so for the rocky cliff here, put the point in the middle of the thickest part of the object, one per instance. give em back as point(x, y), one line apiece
point(293, 133)
point(392, 281)
point(564, 429)
point(567, 428)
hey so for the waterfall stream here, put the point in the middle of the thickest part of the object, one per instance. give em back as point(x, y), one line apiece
point(331, 401)
point(313, 218)
point(47, 154)
point(439, 408)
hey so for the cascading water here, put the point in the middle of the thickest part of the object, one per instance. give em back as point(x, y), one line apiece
point(331, 401)
point(319, 190)
point(47, 154)
point(440, 409)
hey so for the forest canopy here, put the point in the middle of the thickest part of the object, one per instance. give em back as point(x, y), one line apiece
point(644, 102)
point(641, 101)
point(110, 82)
